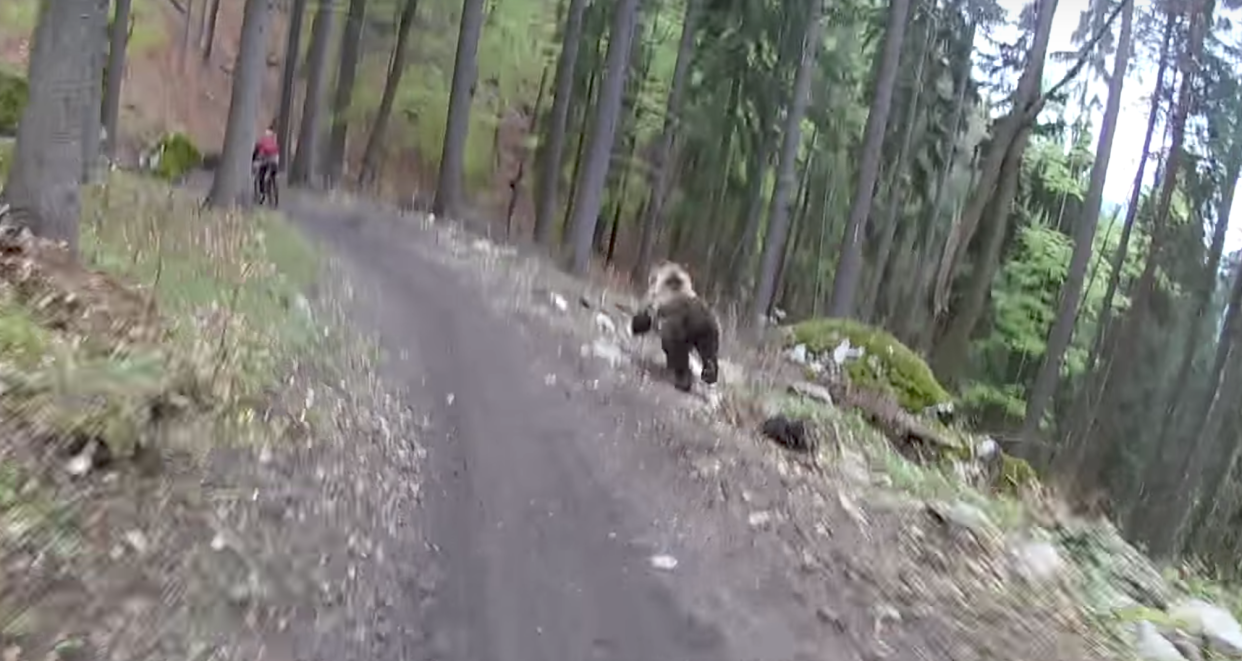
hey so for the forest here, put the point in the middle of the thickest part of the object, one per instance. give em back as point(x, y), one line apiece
point(930, 169)
point(934, 171)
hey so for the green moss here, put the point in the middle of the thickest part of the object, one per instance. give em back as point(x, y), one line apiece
point(22, 341)
point(887, 364)
point(1016, 473)
point(6, 157)
point(13, 95)
point(178, 156)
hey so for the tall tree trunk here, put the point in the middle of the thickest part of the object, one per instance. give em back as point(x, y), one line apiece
point(778, 210)
point(93, 123)
point(1082, 412)
point(1204, 469)
point(1004, 131)
point(588, 103)
point(1128, 334)
point(603, 133)
point(351, 49)
point(396, 69)
point(1207, 287)
point(1177, 126)
point(658, 177)
point(1062, 331)
point(1158, 480)
point(631, 116)
point(46, 173)
point(753, 219)
point(1223, 389)
point(457, 129)
point(288, 74)
point(897, 191)
point(1215, 481)
point(849, 264)
point(550, 174)
point(308, 157)
point(951, 350)
point(232, 181)
point(515, 184)
point(209, 37)
point(187, 34)
point(118, 38)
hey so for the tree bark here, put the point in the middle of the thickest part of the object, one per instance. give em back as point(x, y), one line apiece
point(1062, 331)
point(232, 180)
point(951, 350)
point(588, 103)
point(44, 180)
point(118, 38)
point(515, 184)
point(93, 123)
point(369, 171)
point(1207, 287)
point(1084, 405)
point(849, 264)
point(1203, 470)
point(778, 210)
point(448, 198)
point(209, 37)
point(1158, 480)
point(1004, 131)
point(308, 156)
point(186, 34)
point(897, 191)
point(550, 175)
point(1128, 334)
point(658, 175)
point(603, 134)
point(744, 251)
point(351, 49)
point(288, 74)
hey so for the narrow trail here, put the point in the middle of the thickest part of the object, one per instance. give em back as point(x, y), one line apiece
point(545, 501)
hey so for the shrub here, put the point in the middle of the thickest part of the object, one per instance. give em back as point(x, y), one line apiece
point(13, 95)
point(6, 157)
point(886, 365)
point(177, 156)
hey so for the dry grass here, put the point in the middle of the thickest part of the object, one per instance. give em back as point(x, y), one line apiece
point(169, 338)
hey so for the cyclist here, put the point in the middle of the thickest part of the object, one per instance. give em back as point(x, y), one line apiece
point(266, 155)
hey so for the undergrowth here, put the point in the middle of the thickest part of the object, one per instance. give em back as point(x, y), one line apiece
point(227, 284)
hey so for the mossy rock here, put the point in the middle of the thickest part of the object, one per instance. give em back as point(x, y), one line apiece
point(886, 365)
point(177, 156)
point(13, 95)
point(1016, 473)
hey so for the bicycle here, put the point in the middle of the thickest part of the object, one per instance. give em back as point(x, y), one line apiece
point(266, 190)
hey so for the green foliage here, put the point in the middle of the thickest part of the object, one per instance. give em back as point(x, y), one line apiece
point(14, 91)
point(105, 397)
point(517, 42)
point(177, 156)
point(6, 157)
point(212, 273)
point(888, 365)
point(1016, 473)
point(23, 343)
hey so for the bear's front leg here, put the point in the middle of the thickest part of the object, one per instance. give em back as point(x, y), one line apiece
point(641, 322)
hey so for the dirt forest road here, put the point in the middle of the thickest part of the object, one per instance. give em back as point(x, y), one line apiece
point(547, 496)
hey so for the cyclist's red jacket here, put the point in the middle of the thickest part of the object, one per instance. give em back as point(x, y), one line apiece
point(267, 146)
